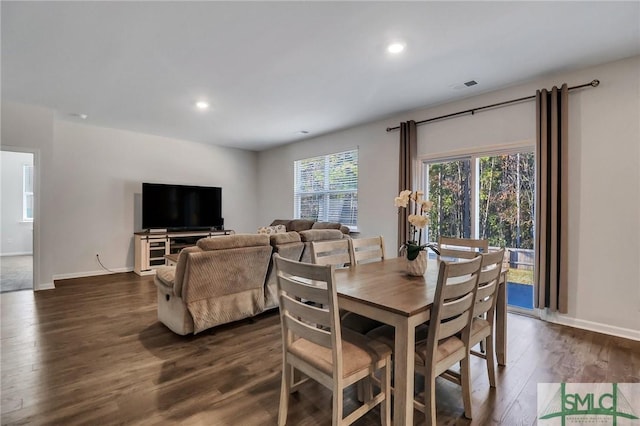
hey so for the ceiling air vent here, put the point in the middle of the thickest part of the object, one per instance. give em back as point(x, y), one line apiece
point(470, 83)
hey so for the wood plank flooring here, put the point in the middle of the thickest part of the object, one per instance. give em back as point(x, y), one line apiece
point(92, 352)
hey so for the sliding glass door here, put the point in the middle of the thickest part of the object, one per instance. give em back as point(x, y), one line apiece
point(488, 196)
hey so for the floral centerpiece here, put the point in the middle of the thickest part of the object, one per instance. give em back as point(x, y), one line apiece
point(417, 210)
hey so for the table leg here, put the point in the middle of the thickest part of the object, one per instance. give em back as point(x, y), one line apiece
point(501, 322)
point(403, 373)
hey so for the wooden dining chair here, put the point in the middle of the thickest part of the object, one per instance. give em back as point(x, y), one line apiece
point(332, 252)
point(449, 330)
point(333, 357)
point(482, 326)
point(365, 250)
point(461, 248)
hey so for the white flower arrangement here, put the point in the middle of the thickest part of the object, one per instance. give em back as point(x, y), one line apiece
point(417, 210)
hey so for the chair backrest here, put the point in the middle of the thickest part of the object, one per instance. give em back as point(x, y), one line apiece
point(453, 302)
point(462, 248)
point(308, 306)
point(488, 282)
point(332, 252)
point(364, 250)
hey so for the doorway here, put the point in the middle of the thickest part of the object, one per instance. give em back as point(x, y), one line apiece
point(17, 216)
point(489, 195)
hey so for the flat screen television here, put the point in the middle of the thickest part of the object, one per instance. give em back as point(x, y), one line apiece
point(181, 207)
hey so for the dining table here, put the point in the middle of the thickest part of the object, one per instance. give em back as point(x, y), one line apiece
point(385, 292)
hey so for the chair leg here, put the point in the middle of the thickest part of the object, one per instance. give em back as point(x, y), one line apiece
point(336, 415)
point(360, 390)
point(491, 362)
point(465, 381)
point(367, 391)
point(430, 399)
point(285, 389)
point(385, 386)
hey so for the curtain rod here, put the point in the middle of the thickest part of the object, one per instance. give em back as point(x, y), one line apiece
point(593, 83)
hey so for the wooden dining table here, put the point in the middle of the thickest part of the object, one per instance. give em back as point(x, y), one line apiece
point(383, 291)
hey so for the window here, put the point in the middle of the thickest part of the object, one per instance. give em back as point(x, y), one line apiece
point(326, 188)
point(489, 196)
point(27, 193)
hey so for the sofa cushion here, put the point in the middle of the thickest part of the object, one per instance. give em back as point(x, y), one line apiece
point(233, 241)
point(286, 238)
point(299, 225)
point(321, 235)
point(326, 225)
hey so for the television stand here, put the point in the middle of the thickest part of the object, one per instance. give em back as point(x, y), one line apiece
point(152, 247)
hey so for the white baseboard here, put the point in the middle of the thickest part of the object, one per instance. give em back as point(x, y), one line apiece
point(90, 273)
point(627, 333)
point(18, 253)
point(45, 286)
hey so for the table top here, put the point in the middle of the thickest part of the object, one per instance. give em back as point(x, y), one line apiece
point(387, 286)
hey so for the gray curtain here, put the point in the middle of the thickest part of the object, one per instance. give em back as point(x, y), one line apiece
point(551, 198)
point(408, 153)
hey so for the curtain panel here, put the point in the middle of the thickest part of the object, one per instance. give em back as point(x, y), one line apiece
point(408, 155)
point(551, 199)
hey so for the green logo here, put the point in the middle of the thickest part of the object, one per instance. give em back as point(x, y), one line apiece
point(585, 402)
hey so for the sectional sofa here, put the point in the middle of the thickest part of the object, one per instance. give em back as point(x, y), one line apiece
point(227, 278)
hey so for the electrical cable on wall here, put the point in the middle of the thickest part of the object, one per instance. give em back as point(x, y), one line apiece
point(103, 267)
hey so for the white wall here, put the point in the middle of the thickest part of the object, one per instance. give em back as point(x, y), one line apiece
point(91, 179)
point(99, 173)
point(604, 180)
point(17, 236)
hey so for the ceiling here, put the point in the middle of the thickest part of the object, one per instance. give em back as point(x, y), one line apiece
point(273, 69)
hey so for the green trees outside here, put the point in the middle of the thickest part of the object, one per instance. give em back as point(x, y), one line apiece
point(506, 199)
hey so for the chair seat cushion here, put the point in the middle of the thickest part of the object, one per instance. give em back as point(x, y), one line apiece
point(446, 347)
point(358, 353)
point(358, 323)
point(480, 328)
point(386, 334)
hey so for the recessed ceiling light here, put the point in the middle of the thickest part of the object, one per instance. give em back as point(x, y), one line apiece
point(395, 48)
point(79, 115)
point(202, 105)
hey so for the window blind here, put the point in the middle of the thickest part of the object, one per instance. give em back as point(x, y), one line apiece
point(326, 188)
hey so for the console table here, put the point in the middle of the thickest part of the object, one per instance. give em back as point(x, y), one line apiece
point(151, 247)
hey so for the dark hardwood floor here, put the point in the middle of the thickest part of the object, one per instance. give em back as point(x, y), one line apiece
point(92, 352)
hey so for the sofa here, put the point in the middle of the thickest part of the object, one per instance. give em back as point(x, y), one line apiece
point(219, 280)
point(299, 225)
point(227, 278)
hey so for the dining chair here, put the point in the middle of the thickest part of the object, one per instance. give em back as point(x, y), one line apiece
point(461, 248)
point(332, 252)
point(365, 250)
point(482, 326)
point(333, 357)
point(447, 341)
